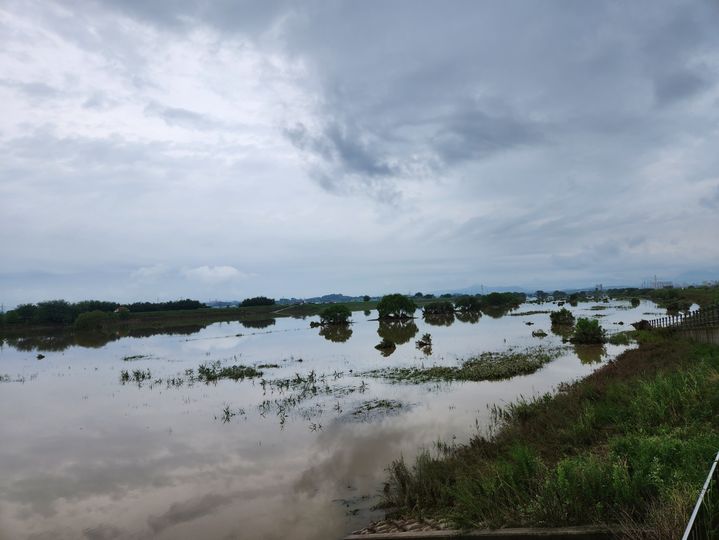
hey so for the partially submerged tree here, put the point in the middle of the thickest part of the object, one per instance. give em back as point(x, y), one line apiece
point(468, 303)
point(335, 314)
point(395, 306)
point(588, 331)
point(438, 308)
point(562, 317)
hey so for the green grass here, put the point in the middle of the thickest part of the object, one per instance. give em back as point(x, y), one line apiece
point(487, 366)
point(631, 444)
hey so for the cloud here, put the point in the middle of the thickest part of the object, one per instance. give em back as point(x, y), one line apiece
point(177, 116)
point(33, 90)
point(152, 272)
point(401, 146)
point(214, 274)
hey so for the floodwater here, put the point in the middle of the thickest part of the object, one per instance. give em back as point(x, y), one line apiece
point(85, 456)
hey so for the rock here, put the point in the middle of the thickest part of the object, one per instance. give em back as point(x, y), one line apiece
point(40, 356)
point(642, 325)
point(539, 333)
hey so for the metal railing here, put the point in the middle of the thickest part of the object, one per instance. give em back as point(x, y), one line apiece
point(700, 318)
point(704, 521)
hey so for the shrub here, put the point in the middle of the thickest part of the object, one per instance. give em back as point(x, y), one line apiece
point(588, 331)
point(395, 306)
point(335, 314)
point(563, 316)
point(635, 302)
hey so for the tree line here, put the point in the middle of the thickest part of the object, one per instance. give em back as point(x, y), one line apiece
point(62, 312)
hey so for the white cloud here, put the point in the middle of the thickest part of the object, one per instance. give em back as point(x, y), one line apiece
point(214, 274)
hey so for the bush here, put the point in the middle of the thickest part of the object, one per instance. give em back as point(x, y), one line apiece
point(395, 306)
point(588, 331)
point(91, 320)
point(335, 314)
point(563, 316)
point(635, 302)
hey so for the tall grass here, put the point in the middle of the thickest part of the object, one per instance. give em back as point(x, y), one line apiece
point(629, 445)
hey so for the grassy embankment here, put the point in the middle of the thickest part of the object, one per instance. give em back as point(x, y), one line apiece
point(629, 445)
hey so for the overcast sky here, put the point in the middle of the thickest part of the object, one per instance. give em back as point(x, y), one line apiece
point(227, 149)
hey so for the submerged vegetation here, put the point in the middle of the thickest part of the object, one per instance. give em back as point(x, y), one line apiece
point(629, 445)
point(485, 367)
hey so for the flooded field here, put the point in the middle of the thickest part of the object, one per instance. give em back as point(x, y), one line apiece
point(159, 437)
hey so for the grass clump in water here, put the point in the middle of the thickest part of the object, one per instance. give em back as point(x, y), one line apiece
point(631, 445)
point(377, 406)
point(215, 371)
point(487, 366)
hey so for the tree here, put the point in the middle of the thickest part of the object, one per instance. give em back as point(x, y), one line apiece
point(258, 301)
point(91, 320)
point(541, 295)
point(366, 298)
point(335, 314)
point(395, 306)
point(468, 303)
point(563, 316)
point(436, 308)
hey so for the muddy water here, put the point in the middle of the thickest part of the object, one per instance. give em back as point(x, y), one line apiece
point(85, 456)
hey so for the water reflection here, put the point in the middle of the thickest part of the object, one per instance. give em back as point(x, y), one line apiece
point(439, 319)
point(63, 340)
point(496, 312)
point(564, 331)
point(398, 332)
point(337, 333)
point(259, 324)
point(590, 354)
point(471, 317)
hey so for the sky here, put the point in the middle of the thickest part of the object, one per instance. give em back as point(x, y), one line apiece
point(227, 149)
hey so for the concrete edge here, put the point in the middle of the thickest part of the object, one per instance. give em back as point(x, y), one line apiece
point(590, 532)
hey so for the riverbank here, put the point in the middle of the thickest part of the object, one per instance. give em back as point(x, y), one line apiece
point(630, 445)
